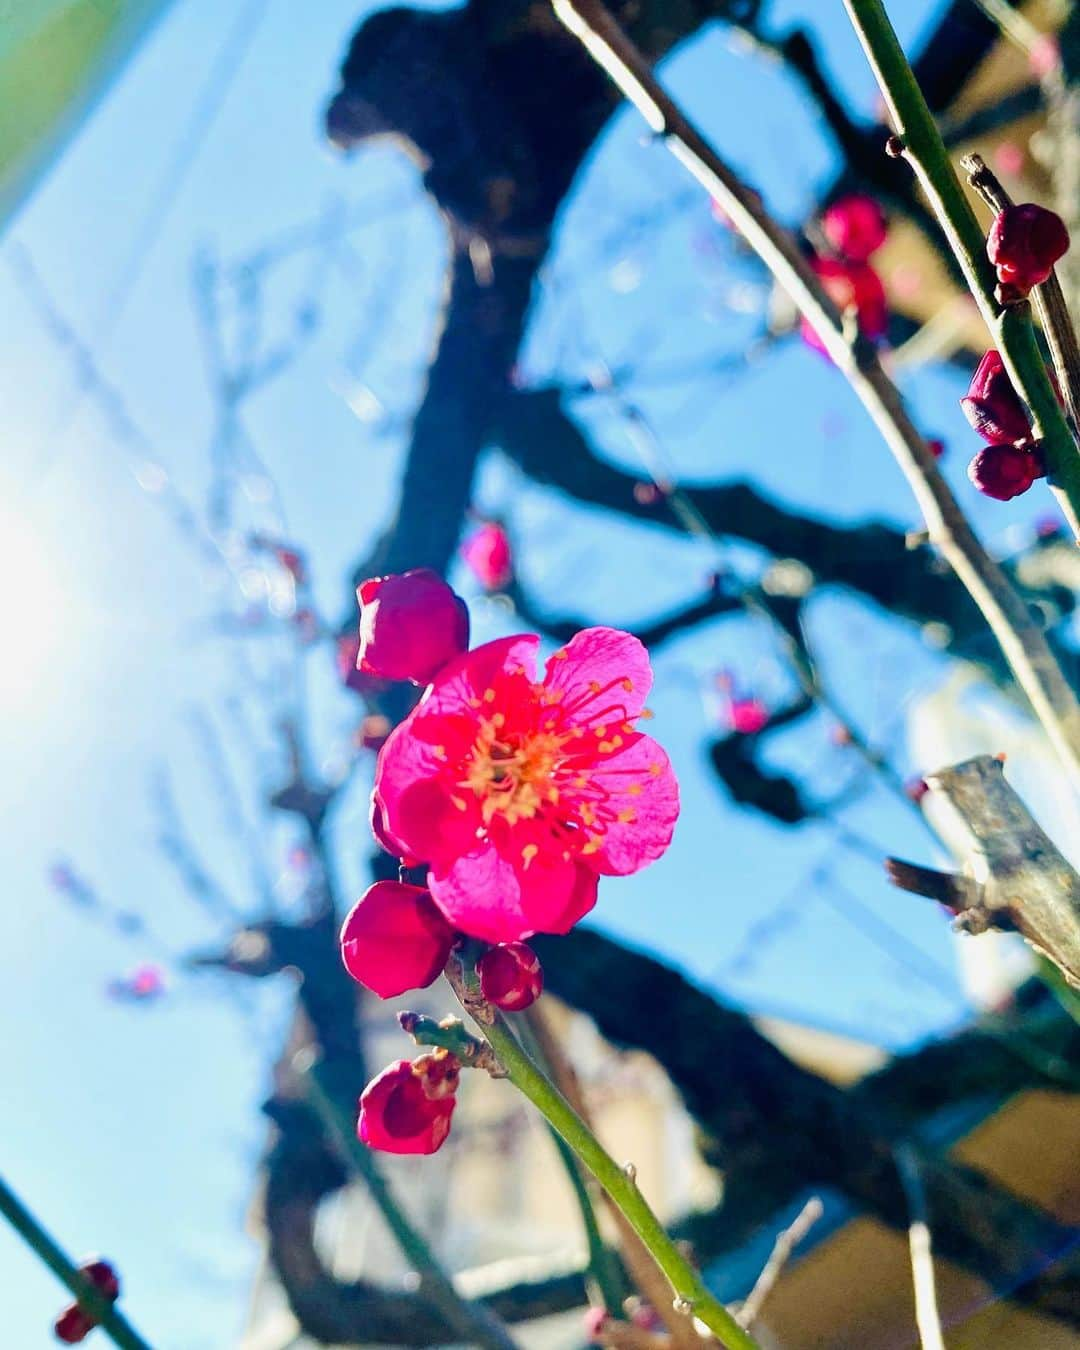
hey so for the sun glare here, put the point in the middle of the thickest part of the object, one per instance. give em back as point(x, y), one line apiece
point(32, 614)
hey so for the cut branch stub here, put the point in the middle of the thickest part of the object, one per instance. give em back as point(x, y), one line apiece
point(1019, 879)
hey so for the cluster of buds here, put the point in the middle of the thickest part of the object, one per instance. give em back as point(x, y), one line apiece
point(854, 227)
point(396, 940)
point(1024, 243)
point(74, 1323)
point(1011, 461)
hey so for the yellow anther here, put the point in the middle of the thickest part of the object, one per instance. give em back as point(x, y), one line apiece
point(489, 695)
point(594, 686)
point(627, 816)
point(529, 852)
point(634, 790)
point(628, 685)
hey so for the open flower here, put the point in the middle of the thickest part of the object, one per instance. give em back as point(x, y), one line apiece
point(407, 1108)
point(394, 939)
point(518, 793)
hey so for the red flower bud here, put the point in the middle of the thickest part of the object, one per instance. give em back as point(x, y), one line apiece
point(855, 226)
point(851, 285)
point(1005, 471)
point(395, 939)
point(916, 789)
point(74, 1323)
point(936, 446)
point(510, 976)
point(411, 625)
point(407, 1108)
point(487, 555)
point(992, 405)
point(1024, 244)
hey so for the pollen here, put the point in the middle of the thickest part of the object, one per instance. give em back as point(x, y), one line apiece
point(627, 816)
point(489, 695)
point(528, 853)
point(634, 790)
point(656, 769)
point(628, 685)
point(594, 686)
point(460, 803)
point(439, 751)
point(560, 655)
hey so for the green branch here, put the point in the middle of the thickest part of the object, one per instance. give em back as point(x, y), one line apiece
point(90, 1298)
point(1010, 327)
point(692, 1297)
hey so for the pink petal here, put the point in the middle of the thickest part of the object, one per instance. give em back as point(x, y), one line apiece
point(639, 783)
point(492, 897)
point(601, 673)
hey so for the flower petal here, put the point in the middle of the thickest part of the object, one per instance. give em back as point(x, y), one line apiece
point(600, 673)
point(499, 899)
point(641, 791)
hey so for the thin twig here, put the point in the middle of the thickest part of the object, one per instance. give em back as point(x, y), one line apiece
point(1021, 640)
point(927, 1318)
point(783, 1247)
point(1017, 880)
point(112, 1322)
point(1049, 298)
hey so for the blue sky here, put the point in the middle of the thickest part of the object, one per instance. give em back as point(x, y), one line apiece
point(135, 1132)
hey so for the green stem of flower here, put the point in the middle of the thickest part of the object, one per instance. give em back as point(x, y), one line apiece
point(475, 1324)
point(89, 1297)
point(604, 1266)
point(620, 1184)
point(1010, 327)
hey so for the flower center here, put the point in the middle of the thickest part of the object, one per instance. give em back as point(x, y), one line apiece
point(513, 775)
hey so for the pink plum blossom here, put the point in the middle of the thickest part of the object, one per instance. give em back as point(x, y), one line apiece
point(519, 793)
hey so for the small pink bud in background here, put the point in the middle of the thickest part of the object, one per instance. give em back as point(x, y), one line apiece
point(936, 447)
point(372, 732)
point(142, 985)
point(411, 625)
point(395, 939)
point(510, 976)
point(851, 285)
point(646, 494)
point(306, 623)
point(1045, 56)
point(595, 1320)
point(1024, 243)
point(645, 1317)
point(992, 405)
point(747, 716)
point(1048, 527)
point(916, 789)
point(1009, 158)
point(487, 555)
point(292, 562)
point(1005, 471)
point(397, 1114)
point(855, 226)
